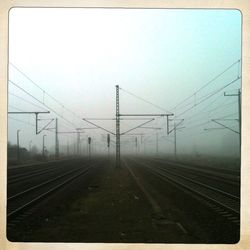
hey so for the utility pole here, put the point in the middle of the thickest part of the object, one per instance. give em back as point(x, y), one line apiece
point(239, 114)
point(89, 142)
point(43, 145)
point(78, 142)
point(18, 149)
point(144, 145)
point(175, 134)
point(30, 142)
point(118, 149)
point(117, 118)
point(36, 114)
point(157, 146)
point(239, 111)
point(136, 146)
point(175, 146)
point(108, 144)
point(156, 138)
point(142, 141)
point(56, 141)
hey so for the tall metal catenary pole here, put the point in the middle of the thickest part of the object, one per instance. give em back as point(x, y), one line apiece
point(89, 147)
point(56, 141)
point(30, 142)
point(239, 114)
point(18, 148)
point(108, 144)
point(117, 128)
point(175, 147)
point(136, 145)
point(67, 148)
point(78, 142)
point(157, 144)
point(239, 110)
point(43, 146)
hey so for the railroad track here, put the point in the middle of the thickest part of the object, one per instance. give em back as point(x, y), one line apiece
point(19, 204)
point(225, 182)
point(232, 176)
point(222, 202)
point(24, 176)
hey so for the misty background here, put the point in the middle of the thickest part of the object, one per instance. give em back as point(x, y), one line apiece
point(68, 61)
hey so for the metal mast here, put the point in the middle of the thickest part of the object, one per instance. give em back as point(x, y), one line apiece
point(239, 111)
point(56, 141)
point(175, 146)
point(18, 146)
point(78, 142)
point(117, 128)
point(239, 115)
point(117, 118)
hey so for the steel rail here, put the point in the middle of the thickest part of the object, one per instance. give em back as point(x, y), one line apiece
point(216, 201)
point(223, 175)
point(41, 184)
point(37, 170)
point(45, 194)
point(192, 189)
point(16, 179)
point(198, 172)
point(202, 184)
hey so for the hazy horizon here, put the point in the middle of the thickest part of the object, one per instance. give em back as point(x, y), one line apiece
point(164, 56)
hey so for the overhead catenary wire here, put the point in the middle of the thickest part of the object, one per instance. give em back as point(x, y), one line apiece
point(222, 117)
point(208, 112)
point(199, 101)
point(10, 106)
point(25, 122)
point(204, 112)
point(29, 102)
point(42, 103)
point(193, 102)
point(143, 99)
point(44, 92)
point(209, 96)
point(195, 134)
point(208, 83)
point(198, 125)
point(33, 125)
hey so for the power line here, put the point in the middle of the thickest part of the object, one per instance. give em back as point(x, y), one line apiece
point(193, 134)
point(142, 99)
point(221, 107)
point(16, 108)
point(206, 84)
point(198, 125)
point(209, 96)
point(228, 115)
point(42, 103)
point(212, 102)
point(44, 92)
point(33, 125)
point(19, 97)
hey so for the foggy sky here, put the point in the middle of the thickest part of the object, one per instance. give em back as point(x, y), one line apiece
point(163, 56)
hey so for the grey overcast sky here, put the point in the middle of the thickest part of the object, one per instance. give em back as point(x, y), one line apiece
point(164, 56)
